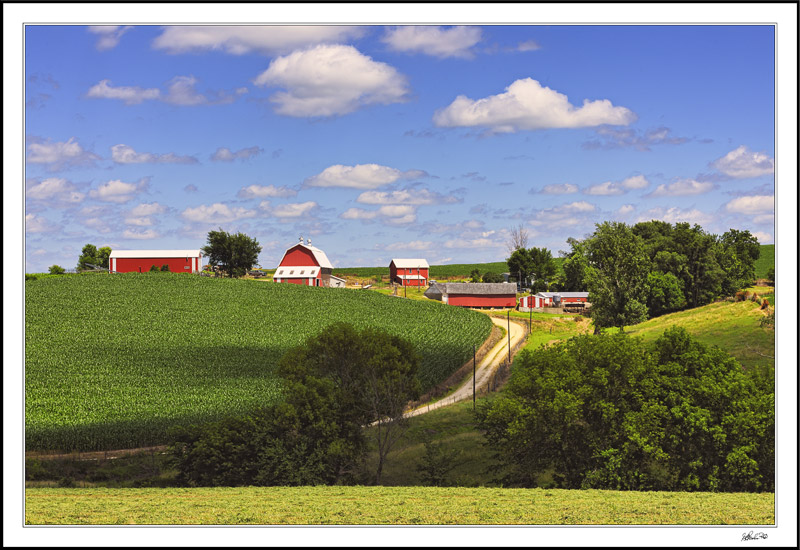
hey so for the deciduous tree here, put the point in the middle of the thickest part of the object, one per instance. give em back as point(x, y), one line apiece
point(235, 254)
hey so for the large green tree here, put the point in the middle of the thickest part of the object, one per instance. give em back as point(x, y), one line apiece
point(574, 265)
point(236, 253)
point(608, 412)
point(543, 269)
point(520, 265)
point(737, 255)
point(616, 276)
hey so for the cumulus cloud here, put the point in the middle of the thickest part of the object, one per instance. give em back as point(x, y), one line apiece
point(148, 209)
point(625, 209)
point(216, 213)
point(331, 80)
point(682, 187)
point(109, 35)
point(436, 41)
point(125, 154)
point(118, 191)
point(755, 204)
point(390, 214)
point(528, 46)
point(240, 40)
point(558, 189)
point(141, 235)
point(59, 154)
point(38, 224)
point(527, 105)
point(471, 243)
point(131, 95)
point(223, 154)
point(573, 213)
point(677, 215)
point(409, 196)
point(360, 176)
point(262, 191)
point(743, 163)
point(55, 191)
point(617, 187)
point(289, 210)
point(763, 237)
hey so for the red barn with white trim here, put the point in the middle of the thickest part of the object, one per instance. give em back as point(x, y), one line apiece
point(304, 264)
point(409, 272)
point(493, 295)
point(140, 261)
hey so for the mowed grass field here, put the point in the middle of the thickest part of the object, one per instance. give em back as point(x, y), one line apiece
point(113, 361)
point(391, 506)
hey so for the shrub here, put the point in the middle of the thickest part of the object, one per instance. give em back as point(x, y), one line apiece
point(153, 268)
point(56, 270)
point(165, 267)
point(30, 277)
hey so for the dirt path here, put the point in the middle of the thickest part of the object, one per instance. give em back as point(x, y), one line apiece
point(483, 372)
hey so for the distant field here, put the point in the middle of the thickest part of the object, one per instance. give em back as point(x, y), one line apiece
point(112, 361)
point(391, 506)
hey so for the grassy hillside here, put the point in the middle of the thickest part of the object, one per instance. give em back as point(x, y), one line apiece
point(765, 260)
point(112, 361)
point(391, 506)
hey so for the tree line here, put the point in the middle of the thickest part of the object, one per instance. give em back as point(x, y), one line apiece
point(645, 270)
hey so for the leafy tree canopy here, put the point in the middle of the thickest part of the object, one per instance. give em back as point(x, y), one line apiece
point(235, 254)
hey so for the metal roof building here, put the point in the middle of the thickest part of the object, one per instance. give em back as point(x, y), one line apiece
point(138, 261)
point(493, 295)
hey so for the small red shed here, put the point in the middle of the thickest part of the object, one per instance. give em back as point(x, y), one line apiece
point(140, 261)
point(409, 272)
point(304, 264)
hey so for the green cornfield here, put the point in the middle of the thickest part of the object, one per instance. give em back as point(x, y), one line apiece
point(114, 361)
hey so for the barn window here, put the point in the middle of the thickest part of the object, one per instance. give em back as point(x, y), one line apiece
point(303, 271)
point(280, 272)
point(291, 272)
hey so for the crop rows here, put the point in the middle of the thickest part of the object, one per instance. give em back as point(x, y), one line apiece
point(115, 361)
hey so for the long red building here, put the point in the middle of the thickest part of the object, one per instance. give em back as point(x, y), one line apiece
point(304, 264)
point(140, 261)
point(409, 272)
point(492, 295)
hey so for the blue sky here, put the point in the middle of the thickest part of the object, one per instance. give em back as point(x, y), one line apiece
point(391, 141)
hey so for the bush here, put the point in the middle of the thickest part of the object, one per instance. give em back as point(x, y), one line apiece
point(56, 270)
point(153, 268)
point(165, 267)
point(30, 277)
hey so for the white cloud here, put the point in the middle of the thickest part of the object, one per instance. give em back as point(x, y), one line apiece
point(331, 80)
point(37, 224)
point(559, 189)
point(676, 215)
point(471, 243)
point(408, 196)
point(527, 105)
point(410, 245)
point(262, 191)
point(98, 225)
point(131, 95)
point(148, 209)
point(573, 213)
point(391, 214)
point(142, 235)
point(682, 187)
point(180, 91)
point(55, 191)
point(635, 182)
point(217, 213)
point(239, 40)
point(625, 209)
point(528, 46)
point(223, 154)
point(124, 154)
point(110, 35)
point(118, 191)
point(144, 221)
point(755, 204)
point(435, 41)
point(360, 176)
point(60, 154)
point(763, 238)
point(742, 163)
point(617, 187)
point(289, 210)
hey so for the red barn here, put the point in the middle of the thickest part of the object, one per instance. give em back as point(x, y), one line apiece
point(140, 261)
point(553, 299)
point(409, 272)
point(304, 264)
point(493, 295)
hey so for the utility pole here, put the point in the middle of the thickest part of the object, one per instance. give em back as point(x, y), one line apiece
point(508, 314)
point(530, 314)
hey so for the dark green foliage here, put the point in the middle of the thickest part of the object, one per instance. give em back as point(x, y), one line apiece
point(535, 265)
point(771, 276)
point(437, 462)
point(30, 277)
point(606, 412)
point(103, 254)
point(737, 255)
point(492, 278)
point(520, 265)
point(153, 269)
point(165, 267)
point(235, 254)
point(335, 384)
point(475, 276)
point(88, 256)
point(666, 293)
point(616, 276)
point(56, 270)
point(575, 265)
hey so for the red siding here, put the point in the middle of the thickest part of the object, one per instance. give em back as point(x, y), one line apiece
point(573, 300)
point(395, 272)
point(299, 256)
point(176, 265)
point(481, 300)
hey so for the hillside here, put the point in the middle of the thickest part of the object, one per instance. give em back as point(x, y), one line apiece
point(766, 260)
point(114, 361)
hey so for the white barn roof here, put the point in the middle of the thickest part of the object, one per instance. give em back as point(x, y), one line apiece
point(410, 263)
point(155, 253)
